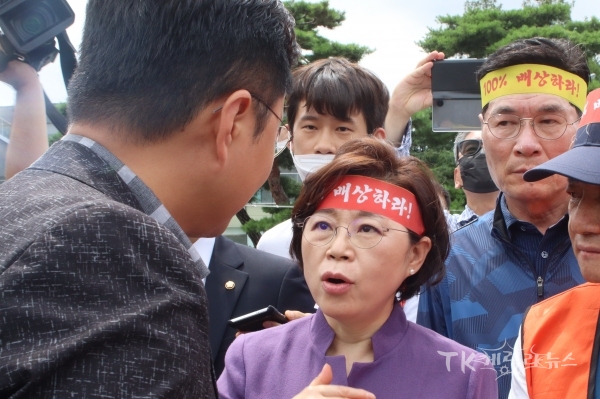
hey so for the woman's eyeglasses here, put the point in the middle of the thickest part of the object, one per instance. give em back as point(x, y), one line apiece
point(363, 232)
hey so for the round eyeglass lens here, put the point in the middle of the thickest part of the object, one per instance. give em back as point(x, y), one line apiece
point(364, 232)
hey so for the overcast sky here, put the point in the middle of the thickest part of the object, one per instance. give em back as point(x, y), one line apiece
point(391, 27)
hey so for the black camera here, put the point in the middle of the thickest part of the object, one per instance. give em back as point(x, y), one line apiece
point(29, 28)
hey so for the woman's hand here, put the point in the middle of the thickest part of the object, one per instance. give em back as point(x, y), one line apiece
point(320, 388)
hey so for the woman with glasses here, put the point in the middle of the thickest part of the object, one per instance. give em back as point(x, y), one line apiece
point(368, 232)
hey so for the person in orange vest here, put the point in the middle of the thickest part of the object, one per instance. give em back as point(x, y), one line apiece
point(556, 354)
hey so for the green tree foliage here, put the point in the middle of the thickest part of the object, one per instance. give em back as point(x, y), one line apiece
point(53, 138)
point(278, 215)
point(312, 16)
point(62, 108)
point(485, 27)
point(479, 5)
point(309, 18)
point(479, 31)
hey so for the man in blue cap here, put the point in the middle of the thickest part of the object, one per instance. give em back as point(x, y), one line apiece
point(556, 354)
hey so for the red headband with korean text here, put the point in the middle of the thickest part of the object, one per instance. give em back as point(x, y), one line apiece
point(361, 193)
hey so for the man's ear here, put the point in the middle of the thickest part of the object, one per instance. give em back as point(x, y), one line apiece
point(380, 133)
point(481, 120)
point(458, 183)
point(236, 116)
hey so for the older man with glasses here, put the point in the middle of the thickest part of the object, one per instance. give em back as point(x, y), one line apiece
point(533, 93)
point(473, 176)
point(556, 355)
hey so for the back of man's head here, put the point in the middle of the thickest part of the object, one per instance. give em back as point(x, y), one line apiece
point(340, 88)
point(148, 67)
point(558, 53)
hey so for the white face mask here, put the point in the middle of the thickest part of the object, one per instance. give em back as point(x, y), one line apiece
point(309, 163)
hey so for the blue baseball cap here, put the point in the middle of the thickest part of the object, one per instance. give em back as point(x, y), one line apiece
point(582, 161)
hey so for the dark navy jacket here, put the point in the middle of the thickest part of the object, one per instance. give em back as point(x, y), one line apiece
point(259, 279)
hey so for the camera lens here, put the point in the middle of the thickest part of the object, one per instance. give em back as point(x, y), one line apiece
point(34, 21)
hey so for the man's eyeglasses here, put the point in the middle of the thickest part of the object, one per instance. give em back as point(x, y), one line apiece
point(547, 127)
point(282, 133)
point(283, 136)
point(363, 232)
point(468, 148)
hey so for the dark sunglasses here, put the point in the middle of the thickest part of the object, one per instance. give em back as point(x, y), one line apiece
point(469, 148)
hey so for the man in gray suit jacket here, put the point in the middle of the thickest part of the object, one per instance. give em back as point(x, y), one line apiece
point(174, 110)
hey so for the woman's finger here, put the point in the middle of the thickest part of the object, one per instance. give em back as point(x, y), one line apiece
point(295, 315)
point(324, 377)
point(334, 392)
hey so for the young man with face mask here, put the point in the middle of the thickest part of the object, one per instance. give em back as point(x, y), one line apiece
point(333, 101)
point(556, 353)
point(473, 176)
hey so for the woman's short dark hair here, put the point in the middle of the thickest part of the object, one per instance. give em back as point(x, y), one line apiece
point(148, 67)
point(558, 53)
point(338, 87)
point(377, 159)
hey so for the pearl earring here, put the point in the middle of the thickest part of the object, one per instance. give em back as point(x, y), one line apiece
point(412, 271)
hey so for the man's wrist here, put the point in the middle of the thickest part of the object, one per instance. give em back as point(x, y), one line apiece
point(21, 76)
point(400, 111)
point(28, 87)
point(395, 132)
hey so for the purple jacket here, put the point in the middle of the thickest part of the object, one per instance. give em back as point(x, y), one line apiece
point(410, 361)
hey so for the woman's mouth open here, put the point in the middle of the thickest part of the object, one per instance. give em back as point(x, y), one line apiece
point(335, 284)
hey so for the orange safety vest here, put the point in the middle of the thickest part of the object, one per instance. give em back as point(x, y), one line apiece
point(560, 338)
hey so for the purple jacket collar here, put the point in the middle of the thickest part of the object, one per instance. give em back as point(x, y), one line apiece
point(384, 340)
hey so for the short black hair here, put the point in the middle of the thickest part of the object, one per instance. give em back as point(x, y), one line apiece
point(558, 53)
point(148, 67)
point(340, 88)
